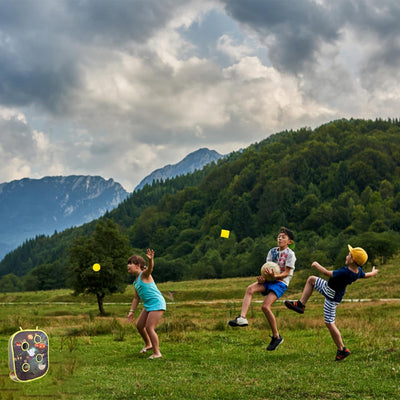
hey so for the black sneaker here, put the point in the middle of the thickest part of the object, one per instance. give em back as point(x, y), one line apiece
point(239, 321)
point(295, 306)
point(342, 354)
point(275, 342)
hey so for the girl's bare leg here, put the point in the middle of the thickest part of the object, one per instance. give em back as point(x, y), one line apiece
point(141, 327)
point(153, 319)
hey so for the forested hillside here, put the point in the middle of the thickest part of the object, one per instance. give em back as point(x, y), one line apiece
point(336, 184)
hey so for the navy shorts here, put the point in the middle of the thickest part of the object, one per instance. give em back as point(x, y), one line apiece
point(277, 287)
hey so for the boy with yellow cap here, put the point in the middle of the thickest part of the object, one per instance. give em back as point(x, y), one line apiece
point(334, 290)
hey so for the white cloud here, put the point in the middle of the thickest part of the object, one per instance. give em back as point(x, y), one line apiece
point(265, 97)
point(22, 148)
point(235, 51)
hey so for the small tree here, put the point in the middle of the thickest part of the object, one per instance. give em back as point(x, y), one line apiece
point(107, 247)
point(10, 283)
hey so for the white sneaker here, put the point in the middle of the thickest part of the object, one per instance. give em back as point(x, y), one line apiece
point(239, 321)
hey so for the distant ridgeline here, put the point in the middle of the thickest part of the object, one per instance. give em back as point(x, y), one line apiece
point(30, 207)
point(192, 162)
point(333, 185)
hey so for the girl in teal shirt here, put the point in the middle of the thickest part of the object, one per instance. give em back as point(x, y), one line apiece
point(153, 302)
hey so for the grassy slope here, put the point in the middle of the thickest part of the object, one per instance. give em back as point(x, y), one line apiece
point(203, 357)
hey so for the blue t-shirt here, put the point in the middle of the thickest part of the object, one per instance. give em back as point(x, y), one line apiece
point(151, 297)
point(341, 278)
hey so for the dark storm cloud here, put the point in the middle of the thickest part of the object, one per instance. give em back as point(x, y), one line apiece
point(42, 43)
point(88, 20)
point(371, 17)
point(292, 30)
point(22, 86)
point(377, 27)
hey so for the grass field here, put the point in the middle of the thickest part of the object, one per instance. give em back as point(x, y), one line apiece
point(94, 357)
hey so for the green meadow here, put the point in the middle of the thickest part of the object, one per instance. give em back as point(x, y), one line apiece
point(94, 357)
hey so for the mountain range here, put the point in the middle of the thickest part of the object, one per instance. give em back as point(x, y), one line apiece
point(31, 207)
point(196, 160)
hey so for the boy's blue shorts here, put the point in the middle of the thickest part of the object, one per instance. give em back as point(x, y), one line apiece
point(274, 286)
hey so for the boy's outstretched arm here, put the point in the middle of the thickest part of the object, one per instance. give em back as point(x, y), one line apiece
point(372, 273)
point(322, 269)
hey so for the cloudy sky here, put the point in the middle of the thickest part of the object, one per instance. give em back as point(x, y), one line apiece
point(119, 88)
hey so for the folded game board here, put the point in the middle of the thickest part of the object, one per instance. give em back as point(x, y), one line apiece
point(28, 353)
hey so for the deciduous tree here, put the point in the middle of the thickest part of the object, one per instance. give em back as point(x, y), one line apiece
point(107, 247)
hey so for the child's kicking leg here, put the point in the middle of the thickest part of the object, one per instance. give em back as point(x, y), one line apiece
point(319, 284)
point(241, 320)
point(300, 305)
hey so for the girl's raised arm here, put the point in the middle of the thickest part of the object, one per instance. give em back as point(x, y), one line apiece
point(150, 266)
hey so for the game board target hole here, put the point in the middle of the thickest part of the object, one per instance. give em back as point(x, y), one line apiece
point(25, 367)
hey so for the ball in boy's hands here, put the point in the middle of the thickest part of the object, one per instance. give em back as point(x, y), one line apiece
point(271, 266)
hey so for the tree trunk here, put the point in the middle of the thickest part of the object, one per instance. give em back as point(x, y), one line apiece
point(100, 298)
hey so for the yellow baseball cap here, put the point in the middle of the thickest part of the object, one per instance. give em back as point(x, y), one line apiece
point(359, 255)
